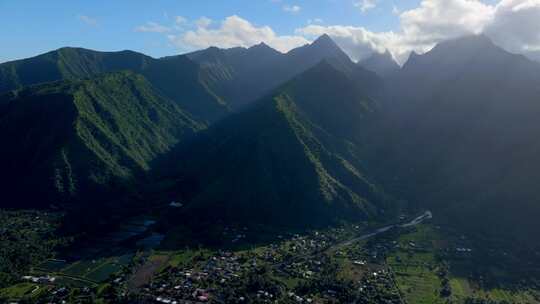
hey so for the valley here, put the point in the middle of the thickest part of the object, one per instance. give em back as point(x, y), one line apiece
point(250, 175)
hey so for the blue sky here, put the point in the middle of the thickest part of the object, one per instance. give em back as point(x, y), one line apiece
point(360, 27)
point(30, 27)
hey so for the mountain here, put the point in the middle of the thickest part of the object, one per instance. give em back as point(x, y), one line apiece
point(179, 79)
point(76, 142)
point(324, 47)
point(243, 75)
point(67, 63)
point(239, 75)
point(460, 136)
point(533, 55)
point(290, 159)
point(176, 77)
point(382, 64)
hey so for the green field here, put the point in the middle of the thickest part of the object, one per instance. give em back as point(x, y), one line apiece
point(20, 291)
point(79, 272)
point(103, 272)
point(416, 273)
point(80, 268)
point(52, 265)
point(416, 277)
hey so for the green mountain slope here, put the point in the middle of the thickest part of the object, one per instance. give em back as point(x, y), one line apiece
point(75, 141)
point(67, 63)
point(290, 159)
point(177, 77)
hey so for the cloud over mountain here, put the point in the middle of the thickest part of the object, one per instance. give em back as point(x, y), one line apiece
point(512, 24)
point(232, 32)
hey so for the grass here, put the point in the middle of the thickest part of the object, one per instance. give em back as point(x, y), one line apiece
point(96, 271)
point(416, 270)
point(418, 284)
point(290, 282)
point(462, 289)
point(182, 258)
point(349, 271)
point(103, 272)
point(81, 268)
point(17, 291)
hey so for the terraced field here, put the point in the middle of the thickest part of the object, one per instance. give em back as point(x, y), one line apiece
point(417, 272)
point(89, 271)
point(417, 278)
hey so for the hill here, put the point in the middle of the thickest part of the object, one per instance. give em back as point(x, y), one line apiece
point(67, 63)
point(176, 77)
point(291, 159)
point(84, 140)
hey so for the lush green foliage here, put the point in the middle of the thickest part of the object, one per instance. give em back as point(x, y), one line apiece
point(176, 77)
point(288, 160)
point(74, 138)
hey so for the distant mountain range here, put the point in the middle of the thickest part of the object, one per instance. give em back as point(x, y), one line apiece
point(461, 132)
point(252, 135)
point(243, 75)
point(383, 64)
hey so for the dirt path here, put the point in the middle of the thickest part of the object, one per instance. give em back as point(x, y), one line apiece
point(144, 273)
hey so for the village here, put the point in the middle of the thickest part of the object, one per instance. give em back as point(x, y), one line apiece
point(348, 264)
point(299, 269)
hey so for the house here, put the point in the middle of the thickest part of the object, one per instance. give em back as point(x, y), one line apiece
point(174, 204)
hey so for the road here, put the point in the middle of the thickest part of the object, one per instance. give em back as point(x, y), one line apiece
point(418, 220)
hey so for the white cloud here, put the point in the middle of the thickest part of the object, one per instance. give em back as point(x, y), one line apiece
point(512, 24)
point(204, 22)
point(152, 27)
point(292, 8)
point(366, 5)
point(180, 20)
point(436, 20)
point(315, 20)
point(357, 42)
point(232, 32)
point(516, 25)
point(88, 20)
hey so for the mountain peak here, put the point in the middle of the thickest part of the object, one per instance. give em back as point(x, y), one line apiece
point(325, 41)
point(381, 63)
point(263, 47)
point(470, 42)
point(457, 52)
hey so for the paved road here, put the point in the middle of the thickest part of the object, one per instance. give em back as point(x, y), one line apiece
point(418, 220)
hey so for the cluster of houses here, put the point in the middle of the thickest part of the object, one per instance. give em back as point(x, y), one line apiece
point(199, 282)
point(216, 278)
point(41, 279)
point(205, 280)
